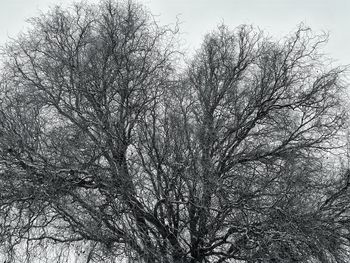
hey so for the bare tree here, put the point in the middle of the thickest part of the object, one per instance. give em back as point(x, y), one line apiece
point(105, 145)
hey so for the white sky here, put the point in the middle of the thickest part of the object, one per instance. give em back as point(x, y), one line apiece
point(276, 17)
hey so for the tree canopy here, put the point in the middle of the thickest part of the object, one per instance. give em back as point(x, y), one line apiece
point(107, 145)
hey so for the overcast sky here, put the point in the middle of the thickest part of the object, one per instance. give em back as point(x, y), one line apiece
point(276, 17)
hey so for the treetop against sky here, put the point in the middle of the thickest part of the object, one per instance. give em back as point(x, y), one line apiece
point(277, 17)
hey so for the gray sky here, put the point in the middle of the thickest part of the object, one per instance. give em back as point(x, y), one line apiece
point(276, 17)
